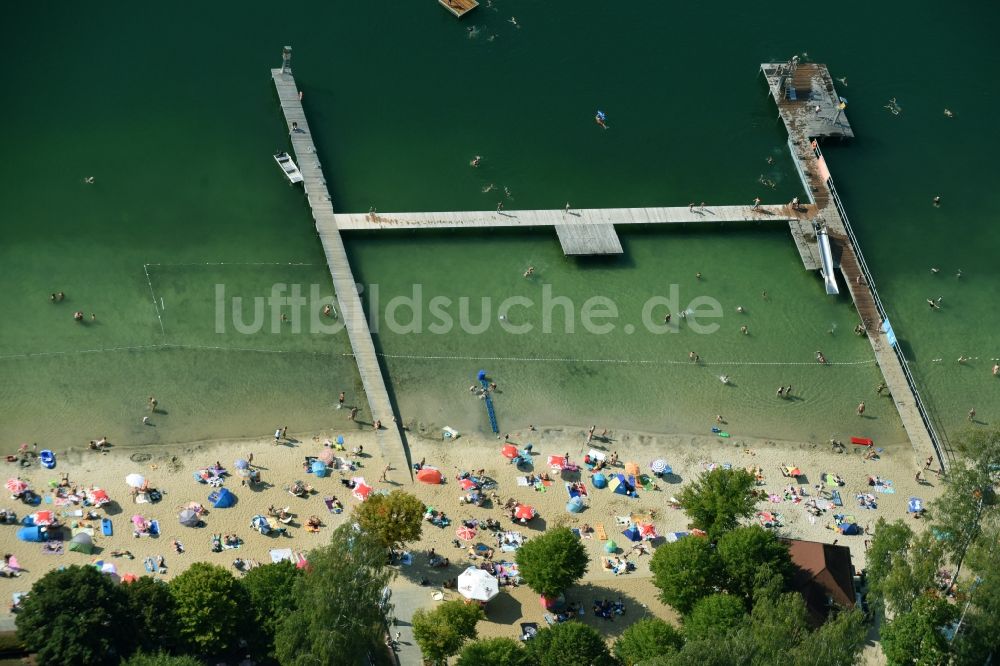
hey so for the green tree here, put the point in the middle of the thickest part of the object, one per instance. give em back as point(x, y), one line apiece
point(494, 652)
point(686, 571)
point(441, 632)
point(778, 622)
point(716, 615)
point(648, 638)
point(915, 636)
point(837, 642)
point(154, 613)
point(550, 563)
point(161, 659)
point(981, 447)
point(210, 607)
point(981, 592)
point(718, 499)
point(569, 644)
point(76, 617)
point(339, 602)
point(901, 565)
point(394, 519)
point(747, 553)
point(271, 590)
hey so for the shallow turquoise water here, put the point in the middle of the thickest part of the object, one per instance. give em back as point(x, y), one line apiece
point(175, 117)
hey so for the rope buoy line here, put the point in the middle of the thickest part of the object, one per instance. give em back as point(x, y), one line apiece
point(237, 263)
point(613, 361)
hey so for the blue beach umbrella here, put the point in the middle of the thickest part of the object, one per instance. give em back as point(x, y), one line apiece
point(575, 505)
point(599, 480)
point(319, 468)
point(633, 533)
point(660, 466)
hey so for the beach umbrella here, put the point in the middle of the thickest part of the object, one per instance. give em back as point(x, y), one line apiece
point(660, 466)
point(135, 480)
point(16, 486)
point(340, 440)
point(610, 546)
point(465, 533)
point(188, 518)
point(467, 484)
point(632, 468)
point(327, 456)
point(524, 512)
point(319, 468)
point(648, 531)
point(575, 505)
point(633, 533)
point(361, 489)
point(429, 475)
point(241, 464)
point(82, 543)
point(674, 537)
point(599, 480)
point(509, 451)
point(914, 504)
point(109, 568)
point(129, 578)
point(477, 584)
point(99, 497)
point(138, 521)
point(33, 533)
point(43, 518)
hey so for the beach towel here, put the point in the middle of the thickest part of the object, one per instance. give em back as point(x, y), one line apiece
point(47, 499)
point(914, 505)
point(836, 498)
point(154, 528)
point(576, 531)
point(623, 520)
point(599, 531)
point(52, 548)
point(522, 481)
point(886, 487)
point(280, 555)
point(148, 563)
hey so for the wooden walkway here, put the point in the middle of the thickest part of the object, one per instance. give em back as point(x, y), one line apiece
point(459, 7)
point(586, 231)
point(390, 438)
point(806, 127)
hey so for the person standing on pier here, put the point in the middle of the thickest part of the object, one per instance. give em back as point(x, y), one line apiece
point(567, 207)
point(756, 204)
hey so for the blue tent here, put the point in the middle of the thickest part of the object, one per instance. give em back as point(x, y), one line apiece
point(32, 534)
point(575, 505)
point(849, 528)
point(599, 480)
point(633, 533)
point(620, 485)
point(221, 498)
point(319, 468)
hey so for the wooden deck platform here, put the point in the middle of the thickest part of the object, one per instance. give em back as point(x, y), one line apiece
point(459, 7)
point(813, 86)
point(390, 439)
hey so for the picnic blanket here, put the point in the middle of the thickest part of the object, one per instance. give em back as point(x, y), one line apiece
point(52, 548)
point(523, 481)
point(510, 541)
point(505, 568)
point(599, 531)
point(280, 555)
point(836, 498)
point(709, 466)
point(886, 487)
point(582, 490)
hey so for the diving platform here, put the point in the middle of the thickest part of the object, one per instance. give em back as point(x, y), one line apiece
point(459, 7)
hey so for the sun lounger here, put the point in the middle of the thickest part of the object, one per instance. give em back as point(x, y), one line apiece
point(599, 531)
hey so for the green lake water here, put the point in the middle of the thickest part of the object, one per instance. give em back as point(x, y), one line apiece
point(174, 115)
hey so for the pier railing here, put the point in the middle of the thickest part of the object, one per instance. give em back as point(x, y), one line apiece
point(940, 448)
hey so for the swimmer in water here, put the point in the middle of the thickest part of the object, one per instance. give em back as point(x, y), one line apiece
point(476, 160)
point(513, 22)
point(530, 271)
point(666, 320)
point(996, 369)
point(489, 188)
point(948, 113)
point(506, 192)
point(936, 201)
point(739, 308)
point(744, 330)
point(933, 305)
point(725, 380)
point(820, 358)
point(963, 359)
point(89, 180)
point(935, 270)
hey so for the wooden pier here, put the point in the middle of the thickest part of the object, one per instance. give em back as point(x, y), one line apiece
point(586, 231)
point(459, 7)
point(390, 439)
point(812, 111)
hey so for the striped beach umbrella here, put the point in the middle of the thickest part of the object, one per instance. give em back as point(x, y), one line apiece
point(465, 533)
point(16, 486)
point(660, 466)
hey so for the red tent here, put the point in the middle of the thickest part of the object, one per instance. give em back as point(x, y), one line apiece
point(509, 451)
point(429, 475)
point(467, 484)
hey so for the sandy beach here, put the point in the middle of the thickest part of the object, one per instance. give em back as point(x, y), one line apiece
point(171, 473)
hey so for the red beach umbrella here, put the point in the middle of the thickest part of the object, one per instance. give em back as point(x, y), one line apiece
point(16, 486)
point(465, 533)
point(44, 518)
point(429, 475)
point(467, 484)
point(524, 512)
point(509, 451)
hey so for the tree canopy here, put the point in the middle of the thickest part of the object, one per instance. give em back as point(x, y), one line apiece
point(553, 561)
point(648, 638)
point(717, 614)
point(271, 590)
point(494, 652)
point(686, 571)
point(717, 500)
point(750, 553)
point(339, 603)
point(569, 644)
point(161, 659)
point(153, 611)
point(916, 637)
point(210, 607)
point(441, 632)
point(394, 519)
point(75, 617)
